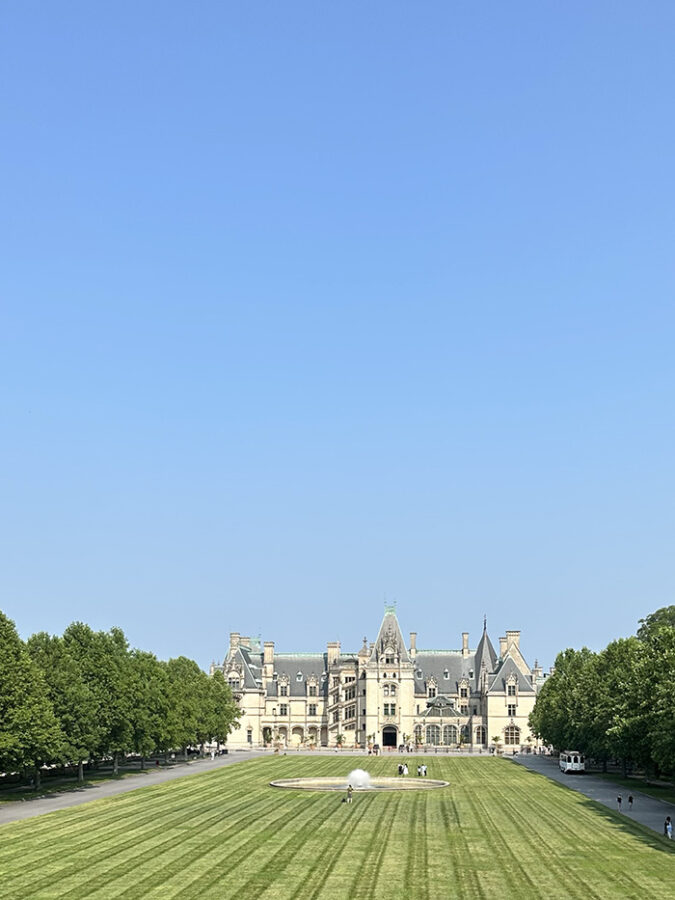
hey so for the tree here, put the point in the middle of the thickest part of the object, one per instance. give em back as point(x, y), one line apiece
point(187, 707)
point(664, 617)
point(72, 699)
point(149, 704)
point(30, 734)
point(103, 658)
point(223, 710)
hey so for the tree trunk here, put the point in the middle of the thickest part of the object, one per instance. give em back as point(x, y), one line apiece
point(142, 763)
point(116, 766)
point(624, 763)
point(36, 777)
point(185, 754)
point(604, 765)
point(166, 757)
point(80, 771)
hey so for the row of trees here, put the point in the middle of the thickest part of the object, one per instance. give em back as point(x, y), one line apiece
point(87, 695)
point(616, 704)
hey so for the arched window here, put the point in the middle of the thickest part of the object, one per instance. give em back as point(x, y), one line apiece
point(419, 737)
point(449, 735)
point(512, 735)
point(433, 735)
point(386, 690)
point(479, 735)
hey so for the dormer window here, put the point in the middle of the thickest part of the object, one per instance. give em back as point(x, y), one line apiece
point(511, 690)
point(283, 690)
point(298, 677)
point(432, 692)
point(470, 673)
point(446, 674)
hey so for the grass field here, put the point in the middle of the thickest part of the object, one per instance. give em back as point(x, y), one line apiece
point(498, 831)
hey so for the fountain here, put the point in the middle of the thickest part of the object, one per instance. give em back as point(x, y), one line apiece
point(360, 780)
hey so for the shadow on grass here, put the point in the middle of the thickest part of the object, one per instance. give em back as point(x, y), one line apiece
point(642, 833)
point(54, 791)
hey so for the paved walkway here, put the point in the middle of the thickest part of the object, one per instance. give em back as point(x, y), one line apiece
point(26, 809)
point(646, 810)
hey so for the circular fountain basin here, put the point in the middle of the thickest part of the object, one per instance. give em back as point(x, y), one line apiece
point(374, 784)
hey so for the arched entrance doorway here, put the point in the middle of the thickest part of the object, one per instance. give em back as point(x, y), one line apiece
point(389, 736)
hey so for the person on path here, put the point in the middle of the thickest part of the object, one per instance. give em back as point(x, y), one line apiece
point(419, 771)
point(630, 802)
point(400, 769)
point(350, 791)
point(405, 768)
point(618, 802)
point(668, 828)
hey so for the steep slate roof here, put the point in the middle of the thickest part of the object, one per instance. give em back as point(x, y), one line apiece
point(251, 664)
point(485, 653)
point(307, 664)
point(497, 684)
point(434, 663)
point(390, 635)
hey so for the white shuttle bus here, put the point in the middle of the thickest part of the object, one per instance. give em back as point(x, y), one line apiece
point(571, 761)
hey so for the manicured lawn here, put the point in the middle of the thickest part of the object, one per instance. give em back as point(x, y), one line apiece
point(497, 832)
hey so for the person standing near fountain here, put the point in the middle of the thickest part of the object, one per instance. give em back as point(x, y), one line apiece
point(350, 791)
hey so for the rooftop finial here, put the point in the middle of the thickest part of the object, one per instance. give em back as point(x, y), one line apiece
point(389, 607)
point(484, 623)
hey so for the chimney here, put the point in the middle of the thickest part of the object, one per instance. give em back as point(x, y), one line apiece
point(513, 639)
point(465, 644)
point(333, 652)
point(413, 644)
point(235, 637)
point(268, 660)
point(246, 641)
point(502, 647)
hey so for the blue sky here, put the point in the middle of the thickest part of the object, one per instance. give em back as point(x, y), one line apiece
point(305, 306)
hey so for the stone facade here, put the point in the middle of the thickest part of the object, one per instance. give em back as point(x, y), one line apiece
point(386, 694)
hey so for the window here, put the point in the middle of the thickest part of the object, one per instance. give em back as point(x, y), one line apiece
point(363, 712)
point(433, 735)
point(350, 693)
point(385, 690)
point(446, 674)
point(418, 734)
point(298, 677)
point(464, 710)
point(312, 709)
point(512, 735)
point(336, 716)
point(432, 691)
point(312, 690)
point(511, 709)
point(233, 682)
point(390, 709)
point(449, 735)
point(511, 690)
point(392, 690)
point(336, 682)
point(389, 660)
point(249, 736)
point(349, 678)
point(350, 712)
point(480, 734)
point(463, 692)
point(283, 709)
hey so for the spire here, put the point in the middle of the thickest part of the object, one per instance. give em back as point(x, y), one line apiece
point(389, 637)
point(484, 623)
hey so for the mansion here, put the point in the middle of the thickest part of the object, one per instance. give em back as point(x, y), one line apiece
point(385, 694)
